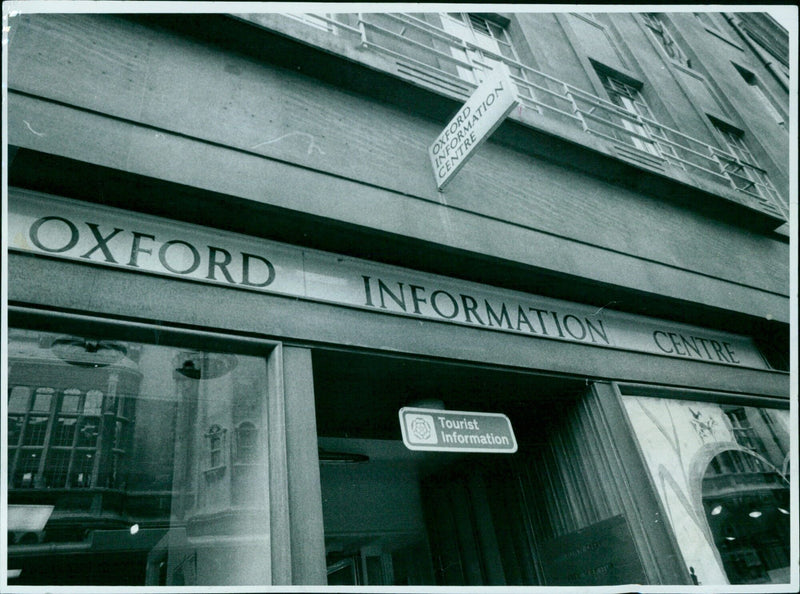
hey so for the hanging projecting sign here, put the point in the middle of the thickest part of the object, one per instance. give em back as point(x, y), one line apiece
point(103, 236)
point(483, 112)
point(430, 429)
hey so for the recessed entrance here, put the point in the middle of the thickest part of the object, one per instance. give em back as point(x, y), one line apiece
point(398, 517)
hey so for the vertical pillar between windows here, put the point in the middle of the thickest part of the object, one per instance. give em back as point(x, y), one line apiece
point(657, 546)
point(279, 531)
point(302, 459)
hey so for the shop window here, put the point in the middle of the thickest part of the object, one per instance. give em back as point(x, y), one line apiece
point(760, 95)
point(655, 24)
point(743, 432)
point(726, 465)
point(126, 443)
point(749, 521)
point(735, 462)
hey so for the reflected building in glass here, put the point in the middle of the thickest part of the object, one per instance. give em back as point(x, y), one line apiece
point(148, 459)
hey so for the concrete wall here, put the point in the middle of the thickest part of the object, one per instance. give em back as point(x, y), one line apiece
point(115, 93)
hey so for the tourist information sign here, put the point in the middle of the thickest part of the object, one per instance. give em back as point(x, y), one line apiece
point(456, 431)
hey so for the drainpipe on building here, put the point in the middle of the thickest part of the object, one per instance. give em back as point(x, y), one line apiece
point(766, 60)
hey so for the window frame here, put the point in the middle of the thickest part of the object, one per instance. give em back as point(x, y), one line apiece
point(627, 97)
point(270, 351)
point(477, 43)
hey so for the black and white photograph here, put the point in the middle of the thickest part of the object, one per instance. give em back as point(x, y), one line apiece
point(372, 297)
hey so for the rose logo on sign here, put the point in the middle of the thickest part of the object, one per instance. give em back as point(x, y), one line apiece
point(421, 429)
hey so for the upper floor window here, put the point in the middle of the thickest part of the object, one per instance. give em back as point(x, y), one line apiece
point(655, 24)
point(735, 144)
point(486, 43)
point(480, 25)
point(633, 109)
point(743, 170)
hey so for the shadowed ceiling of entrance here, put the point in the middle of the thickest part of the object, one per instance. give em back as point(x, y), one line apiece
point(359, 395)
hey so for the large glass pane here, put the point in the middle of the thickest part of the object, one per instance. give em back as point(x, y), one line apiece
point(135, 466)
point(722, 474)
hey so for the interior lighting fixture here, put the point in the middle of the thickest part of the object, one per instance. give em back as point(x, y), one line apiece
point(783, 511)
point(134, 528)
point(730, 538)
point(755, 514)
point(716, 511)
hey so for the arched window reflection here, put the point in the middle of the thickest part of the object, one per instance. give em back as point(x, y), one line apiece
point(747, 508)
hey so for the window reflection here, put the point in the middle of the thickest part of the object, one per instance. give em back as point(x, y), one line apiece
point(136, 436)
point(721, 471)
point(749, 519)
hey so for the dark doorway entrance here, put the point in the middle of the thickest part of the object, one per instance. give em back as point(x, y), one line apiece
point(397, 517)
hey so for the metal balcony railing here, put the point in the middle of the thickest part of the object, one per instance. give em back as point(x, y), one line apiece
point(427, 54)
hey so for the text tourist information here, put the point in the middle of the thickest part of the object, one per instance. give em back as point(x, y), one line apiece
point(458, 431)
